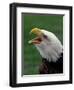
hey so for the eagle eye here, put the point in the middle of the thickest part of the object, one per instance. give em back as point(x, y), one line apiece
point(45, 36)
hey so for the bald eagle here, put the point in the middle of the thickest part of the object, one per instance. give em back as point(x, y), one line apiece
point(50, 49)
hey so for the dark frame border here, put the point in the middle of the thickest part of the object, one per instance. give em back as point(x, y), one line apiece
point(13, 44)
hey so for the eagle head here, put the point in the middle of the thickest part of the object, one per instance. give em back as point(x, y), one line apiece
point(48, 45)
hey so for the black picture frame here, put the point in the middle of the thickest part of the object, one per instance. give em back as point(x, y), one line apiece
point(13, 40)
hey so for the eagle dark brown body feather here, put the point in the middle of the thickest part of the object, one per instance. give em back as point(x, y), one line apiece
point(51, 67)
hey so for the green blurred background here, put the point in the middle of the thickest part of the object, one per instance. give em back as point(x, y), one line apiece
point(31, 58)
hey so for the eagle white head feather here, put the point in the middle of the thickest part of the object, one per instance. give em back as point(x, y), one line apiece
point(48, 45)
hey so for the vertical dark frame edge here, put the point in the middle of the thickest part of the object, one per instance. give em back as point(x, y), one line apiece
point(70, 48)
point(12, 69)
point(10, 52)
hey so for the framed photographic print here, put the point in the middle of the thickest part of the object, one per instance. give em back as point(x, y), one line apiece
point(40, 44)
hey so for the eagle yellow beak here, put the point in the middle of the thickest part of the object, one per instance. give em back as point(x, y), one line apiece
point(36, 31)
point(38, 39)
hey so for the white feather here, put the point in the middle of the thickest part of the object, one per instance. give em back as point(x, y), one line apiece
point(50, 48)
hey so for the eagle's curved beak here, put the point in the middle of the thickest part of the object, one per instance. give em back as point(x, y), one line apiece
point(38, 33)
